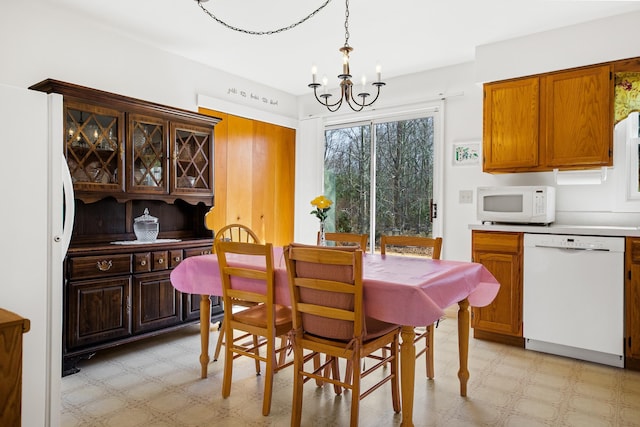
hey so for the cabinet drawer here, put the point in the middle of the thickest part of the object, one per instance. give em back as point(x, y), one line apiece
point(142, 262)
point(204, 250)
point(99, 266)
point(175, 256)
point(160, 260)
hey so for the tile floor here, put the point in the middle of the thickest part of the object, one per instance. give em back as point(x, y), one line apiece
point(157, 383)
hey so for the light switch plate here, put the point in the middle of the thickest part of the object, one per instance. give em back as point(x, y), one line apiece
point(466, 196)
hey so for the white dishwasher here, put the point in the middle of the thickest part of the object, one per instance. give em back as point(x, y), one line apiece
point(573, 296)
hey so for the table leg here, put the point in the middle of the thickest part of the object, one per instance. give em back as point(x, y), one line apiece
point(205, 320)
point(463, 344)
point(407, 374)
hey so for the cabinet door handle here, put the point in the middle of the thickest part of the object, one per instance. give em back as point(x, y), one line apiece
point(160, 261)
point(143, 262)
point(104, 265)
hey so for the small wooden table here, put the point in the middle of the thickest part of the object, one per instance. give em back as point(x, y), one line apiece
point(423, 288)
point(12, 327)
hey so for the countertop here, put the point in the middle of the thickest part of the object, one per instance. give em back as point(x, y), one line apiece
point(584, 230)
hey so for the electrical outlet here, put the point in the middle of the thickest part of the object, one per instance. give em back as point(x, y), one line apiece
point(466, 196)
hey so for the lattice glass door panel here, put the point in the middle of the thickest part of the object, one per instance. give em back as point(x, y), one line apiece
point(148, 154)
point(93, 138)
point(193, 150)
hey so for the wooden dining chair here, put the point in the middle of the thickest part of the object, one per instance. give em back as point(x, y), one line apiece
point(419, 246)
point(234, 233)
point(265, 319)
point(346, 239)
point(328, 318)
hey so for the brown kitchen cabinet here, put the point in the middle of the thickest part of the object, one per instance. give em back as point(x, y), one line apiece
point(12, 327)
point(632, 303)
point(255, 174)
point(126, 155)
point(502, 254)
point(560, 120)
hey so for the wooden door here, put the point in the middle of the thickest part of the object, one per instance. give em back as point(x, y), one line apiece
point(578, 119)
point(511, 125)
point(501, 254)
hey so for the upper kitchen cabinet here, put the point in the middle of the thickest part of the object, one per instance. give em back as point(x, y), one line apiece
point(511, 126)
point(578, 118)
point(560, 120)
point(130, 149)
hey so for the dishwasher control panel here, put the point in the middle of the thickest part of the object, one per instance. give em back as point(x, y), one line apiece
point(593, 243)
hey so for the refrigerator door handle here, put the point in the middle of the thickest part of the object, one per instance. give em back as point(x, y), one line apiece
point(69, 206)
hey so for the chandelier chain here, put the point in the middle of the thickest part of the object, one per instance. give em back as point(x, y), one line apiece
point(346, 24)
point(269, 32)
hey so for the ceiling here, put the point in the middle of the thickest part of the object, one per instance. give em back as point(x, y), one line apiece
point(403, 36)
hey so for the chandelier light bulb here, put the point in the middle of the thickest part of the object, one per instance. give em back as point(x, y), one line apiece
point(314, 71)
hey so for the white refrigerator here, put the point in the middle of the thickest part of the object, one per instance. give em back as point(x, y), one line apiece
point(33, 240)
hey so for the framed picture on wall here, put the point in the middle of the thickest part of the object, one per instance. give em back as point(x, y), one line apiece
point(466, 153)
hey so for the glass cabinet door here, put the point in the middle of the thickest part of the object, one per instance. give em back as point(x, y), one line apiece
point(193, 150)
point(93, 141)
point(148, 154)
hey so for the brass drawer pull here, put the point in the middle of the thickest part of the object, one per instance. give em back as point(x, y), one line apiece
point(176, 259)
point(143, 262)
point(104, 265)
point(160, 261)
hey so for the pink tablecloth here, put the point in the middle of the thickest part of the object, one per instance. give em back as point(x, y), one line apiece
point(397, 289)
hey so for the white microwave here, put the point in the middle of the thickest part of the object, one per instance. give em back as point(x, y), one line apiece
point(517, 204)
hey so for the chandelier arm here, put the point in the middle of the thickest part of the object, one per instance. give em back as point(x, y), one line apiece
point(262, 33)
point(326, 99)
point(364, 103)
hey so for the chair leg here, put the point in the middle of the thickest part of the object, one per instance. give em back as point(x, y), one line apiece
point(283, 353)
point(429, 353)
point(355, 391)
point(220, 340)
point(268, 381)
point(395, 387)
point(257, 353)
point(335, 371)
point(228, 367)
point(298, 384)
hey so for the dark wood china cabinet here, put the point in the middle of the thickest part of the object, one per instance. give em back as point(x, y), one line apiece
point(124, 156)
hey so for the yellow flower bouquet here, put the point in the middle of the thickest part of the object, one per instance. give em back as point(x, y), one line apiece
point(322, 205)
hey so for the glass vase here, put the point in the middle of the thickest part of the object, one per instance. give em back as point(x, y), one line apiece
point(322, 241)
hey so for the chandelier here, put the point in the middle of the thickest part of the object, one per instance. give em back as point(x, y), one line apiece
point(346, 85)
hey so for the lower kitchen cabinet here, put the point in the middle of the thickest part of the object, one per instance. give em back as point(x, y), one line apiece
point(113, 296)
point(502, 254)
point(632, 304)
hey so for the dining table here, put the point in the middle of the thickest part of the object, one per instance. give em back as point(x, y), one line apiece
point(405, 290)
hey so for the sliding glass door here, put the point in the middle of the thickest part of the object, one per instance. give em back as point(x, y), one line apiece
point(381, 174)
